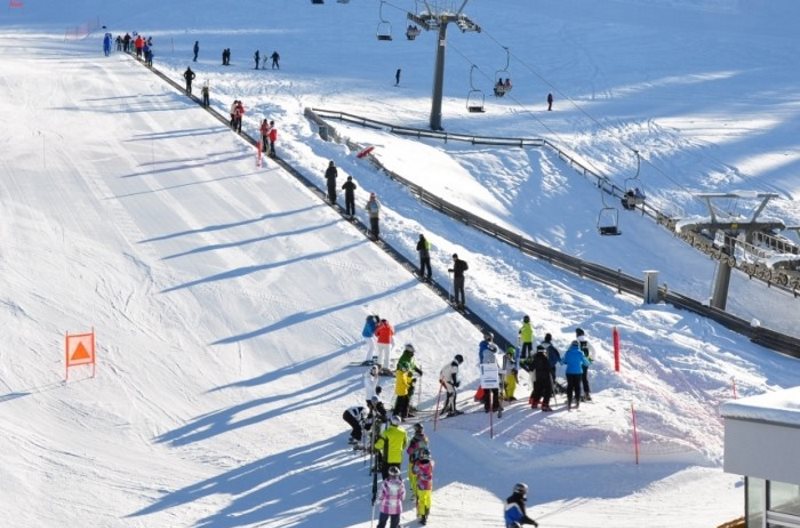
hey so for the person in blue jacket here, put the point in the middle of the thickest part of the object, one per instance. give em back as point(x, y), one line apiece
point(515, 514)
point(368, 333)
point(575, 362)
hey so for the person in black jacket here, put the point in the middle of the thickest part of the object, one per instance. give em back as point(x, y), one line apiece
point(331, 174)
point(189, 76)
point(424, 250)
point(349, 188)
point(543, 381)
point(196, 50)
point(257, 58)
point(458, 269)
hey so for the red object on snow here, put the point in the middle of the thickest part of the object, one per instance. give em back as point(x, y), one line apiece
point(366, 151)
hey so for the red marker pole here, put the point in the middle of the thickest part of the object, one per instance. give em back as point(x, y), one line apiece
point(615, 336)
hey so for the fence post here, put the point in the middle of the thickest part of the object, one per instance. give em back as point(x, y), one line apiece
point(615, 337)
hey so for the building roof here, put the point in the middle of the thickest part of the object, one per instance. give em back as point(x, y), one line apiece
point(779, 407)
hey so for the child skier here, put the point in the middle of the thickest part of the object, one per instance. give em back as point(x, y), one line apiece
point(515, 514)
point(422, 470)
point(509, 370)
point(390, 497)
point(417, 443)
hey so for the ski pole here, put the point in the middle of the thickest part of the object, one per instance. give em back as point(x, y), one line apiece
point(438, 400)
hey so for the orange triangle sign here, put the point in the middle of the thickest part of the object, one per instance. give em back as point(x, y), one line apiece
point(80, 353)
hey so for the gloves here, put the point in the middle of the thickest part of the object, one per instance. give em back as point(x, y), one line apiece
point(535, 523)
point(457, 384)
point(418, 370)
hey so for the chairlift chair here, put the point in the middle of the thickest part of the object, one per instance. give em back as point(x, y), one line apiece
point(500, 88)
point(412, 32)
point(317, 1)
point(475, 97)
point(384, 31)
point(607, 218)
point(634, 193)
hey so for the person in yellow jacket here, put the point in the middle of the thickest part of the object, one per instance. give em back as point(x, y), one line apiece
point(510, 372)
point(402, 391)
point(525, 339)
point(391, 445)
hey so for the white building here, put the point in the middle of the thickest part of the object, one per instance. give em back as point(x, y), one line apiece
point(762, 443)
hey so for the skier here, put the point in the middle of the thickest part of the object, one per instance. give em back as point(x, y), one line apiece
point(486, 356)
point(422, 470)
point(331, 173)
point(543, 381)
point(264, 130)
point(355, 418)
point(515, 514)
point(588, 351)
point(148, 55)
point(391, 497)
point(273, 138)
point(418, 442)
point(575, 362)
point(349, 188)
point(554, 357)
point(407, 360)
point(238, 114)
point(549, 102)
point(257, 58)
point(275, 58)
point(402, 388)
point(196, 50)
point(373, 208)
point(424, 250)
point(107, 44)
point(526, 338)
point(510, 373)
point(368, 333)
point(397, 77)
point(384, 334)
point(371, 378)
point(189, 76)
point(390, 446)
point(450, 380)
point(458, 269)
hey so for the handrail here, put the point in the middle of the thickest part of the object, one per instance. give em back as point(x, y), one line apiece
point(614, 278)
point(778, 278)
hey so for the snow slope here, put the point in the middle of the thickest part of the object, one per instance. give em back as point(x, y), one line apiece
point(228, 300)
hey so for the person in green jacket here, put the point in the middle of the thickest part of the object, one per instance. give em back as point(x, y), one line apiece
point(526, 339)
point(391, 446)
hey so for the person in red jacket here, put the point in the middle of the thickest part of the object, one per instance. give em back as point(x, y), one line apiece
point(273, 137)
point(384, 334)
point(264, 135)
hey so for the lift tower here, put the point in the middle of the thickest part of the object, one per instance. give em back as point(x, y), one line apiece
point(438, 15)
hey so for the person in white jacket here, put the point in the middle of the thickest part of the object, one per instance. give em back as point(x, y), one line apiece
point(450, 381)
point(371, 378)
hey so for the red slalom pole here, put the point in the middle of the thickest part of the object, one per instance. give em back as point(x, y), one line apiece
point(615, 337)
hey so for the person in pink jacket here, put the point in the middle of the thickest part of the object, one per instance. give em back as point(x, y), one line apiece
point(391, 497)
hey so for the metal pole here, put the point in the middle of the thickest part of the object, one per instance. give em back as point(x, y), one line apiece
point(438, 76)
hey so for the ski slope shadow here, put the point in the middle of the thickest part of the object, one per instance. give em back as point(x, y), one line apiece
point(238, 243)
point(221, 227)
point(224, 421)
point(300, 317)
point(247, 270)
point(302, 486)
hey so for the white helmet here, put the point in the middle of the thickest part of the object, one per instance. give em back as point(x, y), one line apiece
point(521, 488)
point(396, 420)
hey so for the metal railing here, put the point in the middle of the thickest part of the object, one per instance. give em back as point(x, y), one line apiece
point(613, 278)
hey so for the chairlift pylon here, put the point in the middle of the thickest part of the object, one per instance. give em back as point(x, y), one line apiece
point(501, 85)
point(384, 31)
point(608, 217)
point(475, 97)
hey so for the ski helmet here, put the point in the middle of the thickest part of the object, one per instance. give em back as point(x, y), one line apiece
point(375, 399)
point(418, 427)
point(526, 319)
point(408, 348)
point(374, 370)
point(394, 471)
point(378, 389)
point(520, 488)
point(459, 358)
point(488, 336)
point(424, 454)
point(396, 420)
point(578, 332)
